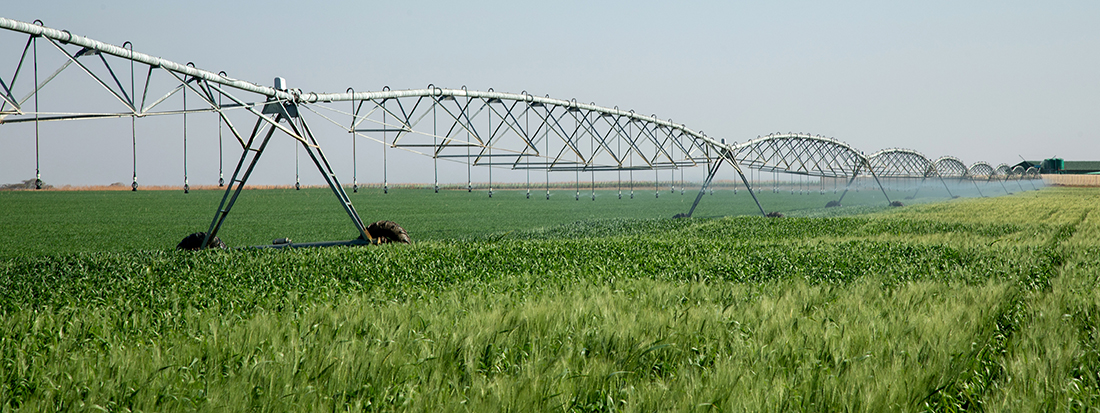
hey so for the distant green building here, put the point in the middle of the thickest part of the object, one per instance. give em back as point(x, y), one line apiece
point(1061, 166)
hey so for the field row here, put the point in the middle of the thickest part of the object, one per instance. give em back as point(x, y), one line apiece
point(984, 304)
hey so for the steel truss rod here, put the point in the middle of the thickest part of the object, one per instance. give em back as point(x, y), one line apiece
point(84, 116)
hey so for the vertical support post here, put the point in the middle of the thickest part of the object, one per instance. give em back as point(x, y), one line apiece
point(385, 150)
point(656, 182)
point(527, 131)
point(630, 135)
point(133, 118)
point(186, 185)
point(489, 144)
point(435, 146)
point(469, 162)
point(37, 166)
point(354, 138)
point(221, 160)
point(546, 140)
point(577, 197)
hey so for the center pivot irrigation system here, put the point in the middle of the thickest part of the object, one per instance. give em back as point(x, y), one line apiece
point(516, 131)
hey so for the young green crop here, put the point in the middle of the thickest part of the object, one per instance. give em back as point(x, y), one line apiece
point(121, 221)
point(964, 305)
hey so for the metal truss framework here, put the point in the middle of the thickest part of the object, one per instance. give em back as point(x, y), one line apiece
point(515, 131)
point(479, 128)
point(906, 163)
point(980, 170)
point(950, 167)
point(805, 154)
point(902, 163)
point(273, 109)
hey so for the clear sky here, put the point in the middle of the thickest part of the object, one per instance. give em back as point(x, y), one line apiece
point(980, 80)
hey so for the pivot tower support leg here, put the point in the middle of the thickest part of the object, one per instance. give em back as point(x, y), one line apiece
point(979, 188)
point(948, 188)
point(319, 159)
point(749, 187)
point(227, 201)
point(703, 189)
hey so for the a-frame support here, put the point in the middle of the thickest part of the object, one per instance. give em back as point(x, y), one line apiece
point(924, 178)
point(284, 111)
point(706, 183)
point(1002, 182)
point(945, 186)
point(710, 177)
point(856, 174)
point(979, 188)
point(728, 156)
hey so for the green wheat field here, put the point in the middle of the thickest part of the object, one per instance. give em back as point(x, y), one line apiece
point(515, 304)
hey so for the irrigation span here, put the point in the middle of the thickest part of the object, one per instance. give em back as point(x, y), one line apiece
point(489, 129)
